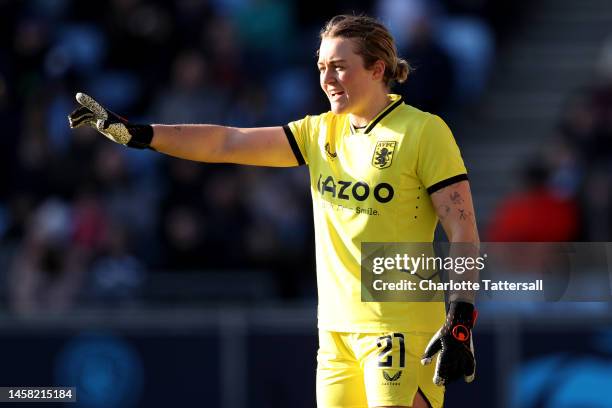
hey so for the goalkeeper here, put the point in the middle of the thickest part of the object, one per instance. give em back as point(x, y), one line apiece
point(380, 171)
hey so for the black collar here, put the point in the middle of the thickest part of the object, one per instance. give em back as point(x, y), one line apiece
point(384, 113)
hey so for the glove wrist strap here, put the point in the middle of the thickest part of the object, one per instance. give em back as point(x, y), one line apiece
point(462, 313)
point(142, 135)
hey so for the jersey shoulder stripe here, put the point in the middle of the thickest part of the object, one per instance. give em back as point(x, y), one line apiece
point(445, 183)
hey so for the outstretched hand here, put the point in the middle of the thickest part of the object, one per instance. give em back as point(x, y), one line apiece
point(111, 125)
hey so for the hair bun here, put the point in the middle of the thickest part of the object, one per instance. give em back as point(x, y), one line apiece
point(401, 71)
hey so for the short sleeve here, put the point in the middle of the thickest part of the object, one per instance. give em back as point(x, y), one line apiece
point(300, 133)
point(439, 162)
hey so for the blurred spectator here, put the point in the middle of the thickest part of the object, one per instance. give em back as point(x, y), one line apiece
point(471, 46)
point(116, 275)
point(248, 107)
point(184, 232)
point(584, 125)
point(90, 220)
point(565, 167)
point(225, 207)
point(139, 33)
point(31, 40)
point(535, 213)
point(402, 15)
point(466, 39)
point(192, 96)
point(188, 18)
point(596, 204)
point(280, 230)
point(20, 208)
point(47, 272)
point(586, 128)
point(220, 40)
point(503, 16)
point(34, 154)
point(10, 121)
point(430, 86)
point(80, 47)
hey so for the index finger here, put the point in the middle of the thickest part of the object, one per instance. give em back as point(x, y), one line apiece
point(91, 104)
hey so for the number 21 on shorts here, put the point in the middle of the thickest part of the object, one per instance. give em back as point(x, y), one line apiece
point(385, 345)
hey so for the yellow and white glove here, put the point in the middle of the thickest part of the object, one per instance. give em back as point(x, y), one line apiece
point(111, 125)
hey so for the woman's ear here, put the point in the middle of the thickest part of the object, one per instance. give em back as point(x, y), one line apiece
point(378, 70)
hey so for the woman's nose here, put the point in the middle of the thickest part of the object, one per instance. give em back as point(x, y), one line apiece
point(328, 76)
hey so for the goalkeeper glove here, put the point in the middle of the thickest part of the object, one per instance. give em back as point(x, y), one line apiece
point(454, 342)
point(111, 125)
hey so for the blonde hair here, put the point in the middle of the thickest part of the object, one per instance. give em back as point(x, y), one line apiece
point(374, 42)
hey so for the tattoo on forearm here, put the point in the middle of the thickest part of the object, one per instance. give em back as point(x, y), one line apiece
point(443, 211)
point(465, 215)
point(456, 198)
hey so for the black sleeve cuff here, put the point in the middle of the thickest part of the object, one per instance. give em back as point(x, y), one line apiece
point(445, 183)
point(294, 146)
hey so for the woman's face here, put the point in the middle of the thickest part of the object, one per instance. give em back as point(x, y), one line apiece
point(343, 77)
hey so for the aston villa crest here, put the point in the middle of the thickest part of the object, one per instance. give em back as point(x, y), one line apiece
point(383, 154)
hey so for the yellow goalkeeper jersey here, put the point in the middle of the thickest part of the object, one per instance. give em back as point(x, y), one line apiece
point(373, 185)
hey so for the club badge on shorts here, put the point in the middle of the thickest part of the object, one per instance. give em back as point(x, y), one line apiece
point(383, 154)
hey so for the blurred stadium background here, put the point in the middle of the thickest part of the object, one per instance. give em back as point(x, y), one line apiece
point(134, 276)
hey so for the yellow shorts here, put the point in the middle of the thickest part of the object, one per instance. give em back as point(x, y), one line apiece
point(360, 370)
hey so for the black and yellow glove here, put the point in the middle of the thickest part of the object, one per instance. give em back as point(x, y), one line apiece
point(111, 125)
point(455, 344)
